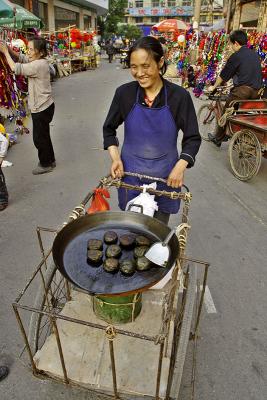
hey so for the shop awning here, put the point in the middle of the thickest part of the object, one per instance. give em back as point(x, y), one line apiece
point(171, 25)
point(21, 19)
point(6, 9)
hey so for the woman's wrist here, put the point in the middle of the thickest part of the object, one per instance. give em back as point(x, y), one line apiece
point(181, 164)
point(114, 153)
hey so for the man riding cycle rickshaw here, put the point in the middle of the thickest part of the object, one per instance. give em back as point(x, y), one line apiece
point(244, 67)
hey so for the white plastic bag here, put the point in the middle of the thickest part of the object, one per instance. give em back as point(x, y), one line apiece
point(144, 199)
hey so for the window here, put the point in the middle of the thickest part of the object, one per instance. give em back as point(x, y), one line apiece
point(203, 18)
point(171, 3)
point(154, 3)
point(138, 20)
point(43, 13)
point(87, 22)
point(186, 3)
point(139, 3)
point(154, 20)
point(64, 18)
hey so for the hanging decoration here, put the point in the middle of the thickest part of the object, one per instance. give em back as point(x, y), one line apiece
point(213, 53)
point(13, 89)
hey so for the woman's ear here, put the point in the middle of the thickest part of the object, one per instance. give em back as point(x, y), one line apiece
point(161, 62)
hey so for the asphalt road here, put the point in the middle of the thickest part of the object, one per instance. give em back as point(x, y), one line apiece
point(228, 219)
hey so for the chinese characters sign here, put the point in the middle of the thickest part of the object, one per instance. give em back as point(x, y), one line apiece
point(160, 11)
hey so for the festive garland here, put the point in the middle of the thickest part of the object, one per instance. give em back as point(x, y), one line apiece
point(213, 54)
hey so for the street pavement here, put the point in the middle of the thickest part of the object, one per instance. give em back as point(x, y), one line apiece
point(228, 228)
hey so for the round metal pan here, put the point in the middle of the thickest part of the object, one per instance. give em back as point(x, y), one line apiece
point(70, 252)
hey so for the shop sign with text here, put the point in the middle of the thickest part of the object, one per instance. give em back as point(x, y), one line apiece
point(160, 11)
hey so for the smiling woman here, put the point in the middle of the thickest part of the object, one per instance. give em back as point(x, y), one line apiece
point(153, 111)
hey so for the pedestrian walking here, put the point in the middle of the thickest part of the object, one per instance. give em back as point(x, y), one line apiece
point(245, 68)
point(153, 111)
point(110, 49)
point(36, 68)
point(3, 188)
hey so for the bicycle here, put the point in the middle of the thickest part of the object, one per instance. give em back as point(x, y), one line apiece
point(210, 112)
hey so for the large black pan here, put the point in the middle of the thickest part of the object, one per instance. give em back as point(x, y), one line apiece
point(70, 252)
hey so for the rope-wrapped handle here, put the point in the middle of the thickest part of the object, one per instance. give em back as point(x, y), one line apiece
point(151, 178)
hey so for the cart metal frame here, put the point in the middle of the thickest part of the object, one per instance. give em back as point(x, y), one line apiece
point(178, 309)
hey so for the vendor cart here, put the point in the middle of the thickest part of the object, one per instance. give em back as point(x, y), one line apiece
point(69, 332)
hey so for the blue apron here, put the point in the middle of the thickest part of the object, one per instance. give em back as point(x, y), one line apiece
point(150, 148)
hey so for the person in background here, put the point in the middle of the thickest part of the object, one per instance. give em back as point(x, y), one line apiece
point(4, 371)
point(110, 49)
point(40, 100)
point(245, 68)
point(3, 188)
point(153, 111)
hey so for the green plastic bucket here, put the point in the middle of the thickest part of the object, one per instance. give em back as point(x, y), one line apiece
point(117, 309)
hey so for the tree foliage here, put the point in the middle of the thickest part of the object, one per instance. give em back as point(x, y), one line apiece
point(115, 16)
point(128, 31)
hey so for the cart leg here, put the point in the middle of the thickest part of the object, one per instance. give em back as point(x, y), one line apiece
point(181, 335)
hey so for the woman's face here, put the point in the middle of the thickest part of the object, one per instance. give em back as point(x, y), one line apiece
point(33, 54)
point(144, 68)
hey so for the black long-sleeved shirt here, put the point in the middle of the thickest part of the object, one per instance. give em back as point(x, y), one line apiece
point(244, 67)
point(181, 107)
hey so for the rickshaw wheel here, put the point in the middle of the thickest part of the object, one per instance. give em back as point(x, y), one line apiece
point(245, 154)
point(57, 295)
point(207, 121)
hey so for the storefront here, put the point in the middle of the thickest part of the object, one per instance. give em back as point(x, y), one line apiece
point(64, 18)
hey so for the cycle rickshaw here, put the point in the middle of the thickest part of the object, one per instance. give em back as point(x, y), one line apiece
point(246, 125)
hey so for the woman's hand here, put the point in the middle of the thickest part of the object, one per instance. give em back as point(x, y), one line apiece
point(117, 170)
point(176, 177)
point(3, 47)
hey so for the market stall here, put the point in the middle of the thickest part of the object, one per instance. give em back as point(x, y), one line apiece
point(73, 50)
point(197, 58)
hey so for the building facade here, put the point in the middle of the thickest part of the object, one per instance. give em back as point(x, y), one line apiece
point(249, 14)
point(146, 13)
point(57, 14)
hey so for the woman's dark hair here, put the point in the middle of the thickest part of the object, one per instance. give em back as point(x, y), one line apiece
point(239, 36)
point(162, 40)
point(153, 47)
point(40, 45)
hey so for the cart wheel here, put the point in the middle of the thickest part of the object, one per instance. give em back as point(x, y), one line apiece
point(207, 120)
point(58, 294)
point(245, 154)
point(185, 328)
